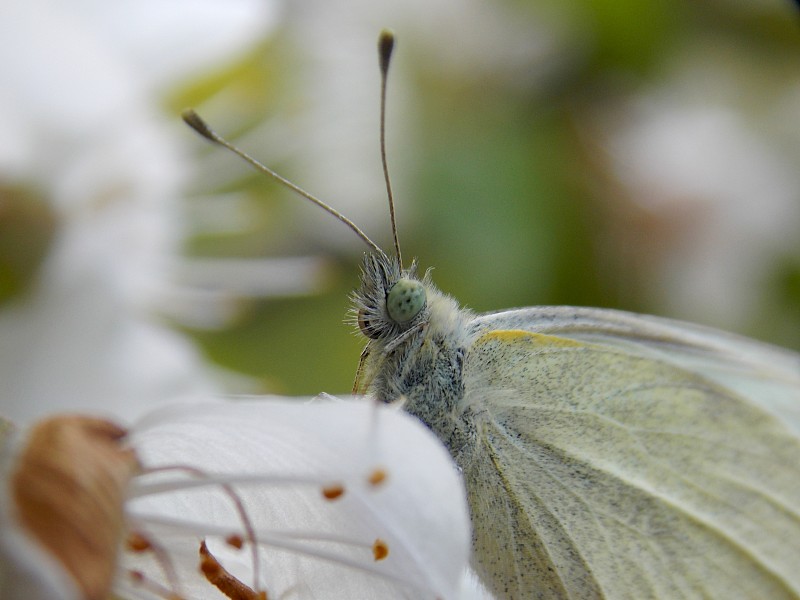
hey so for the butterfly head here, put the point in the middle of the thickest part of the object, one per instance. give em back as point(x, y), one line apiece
point(391, 300)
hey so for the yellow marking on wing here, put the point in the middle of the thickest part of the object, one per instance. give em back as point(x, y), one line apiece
point(513, 336)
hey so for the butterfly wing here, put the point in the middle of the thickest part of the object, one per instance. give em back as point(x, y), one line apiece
point(768, 375)
point(625, 456)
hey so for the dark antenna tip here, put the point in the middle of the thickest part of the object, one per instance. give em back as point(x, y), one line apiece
point(385, 47)
point(193, 120)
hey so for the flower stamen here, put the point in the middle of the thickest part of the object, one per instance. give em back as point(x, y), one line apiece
point(247, 524)
point(333, 491)
point(380, 549)
point(138, 543)
point(377, 476)
point(141, 580)
point(222, 579)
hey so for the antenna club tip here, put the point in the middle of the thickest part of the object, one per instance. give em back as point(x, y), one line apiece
point(193, 120)
point(385, 47)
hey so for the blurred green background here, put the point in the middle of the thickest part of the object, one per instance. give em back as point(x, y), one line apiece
point(504, 138)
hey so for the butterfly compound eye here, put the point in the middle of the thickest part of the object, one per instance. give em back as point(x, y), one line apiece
point(405, 300)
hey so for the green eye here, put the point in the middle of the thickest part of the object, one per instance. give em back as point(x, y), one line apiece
point(405, 300)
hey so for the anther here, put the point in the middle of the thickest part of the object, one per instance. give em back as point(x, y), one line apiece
point(377, 476)
point(136, 542)
point(332, 492)
point(136, 576)
point(380, 549)
point(139, 579)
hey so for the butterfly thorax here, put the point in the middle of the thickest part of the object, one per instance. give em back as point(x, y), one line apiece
point(418, 362)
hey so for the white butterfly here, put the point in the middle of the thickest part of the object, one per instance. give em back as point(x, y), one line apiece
point(605, 454)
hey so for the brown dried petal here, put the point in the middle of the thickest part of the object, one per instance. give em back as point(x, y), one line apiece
point(68, 487)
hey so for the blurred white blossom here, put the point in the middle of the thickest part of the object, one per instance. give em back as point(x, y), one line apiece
point(83, 130)
point(693, 156)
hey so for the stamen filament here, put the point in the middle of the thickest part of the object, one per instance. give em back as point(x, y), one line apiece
point(141, 490)
point(273, 538)
point(163, 560)
point(288, 541)
point(141, 581)
point(247, 525)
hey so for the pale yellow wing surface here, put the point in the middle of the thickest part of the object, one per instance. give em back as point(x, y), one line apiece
point(767, 375)
point(603, 469)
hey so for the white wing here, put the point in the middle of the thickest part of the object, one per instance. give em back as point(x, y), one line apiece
point(631, 457)
point(768, 375)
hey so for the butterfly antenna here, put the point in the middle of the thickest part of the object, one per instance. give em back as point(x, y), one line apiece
point(193, 120)
point(385, 47)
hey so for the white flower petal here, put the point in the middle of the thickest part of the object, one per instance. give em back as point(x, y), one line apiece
point(419, 511)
